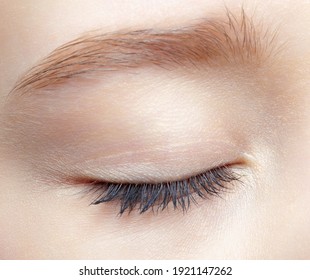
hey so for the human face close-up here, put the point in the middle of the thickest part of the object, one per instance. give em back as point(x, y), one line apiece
point(155, 129)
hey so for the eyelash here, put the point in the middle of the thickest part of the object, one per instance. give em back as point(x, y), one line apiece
point(146, 196)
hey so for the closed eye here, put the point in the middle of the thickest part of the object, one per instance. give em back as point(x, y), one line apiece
point(157, 196)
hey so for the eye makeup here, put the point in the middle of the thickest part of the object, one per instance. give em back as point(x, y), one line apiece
point(143, 197)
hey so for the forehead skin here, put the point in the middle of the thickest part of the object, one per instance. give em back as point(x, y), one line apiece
point(270, 219)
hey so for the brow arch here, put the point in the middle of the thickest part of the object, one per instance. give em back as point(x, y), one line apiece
point(213, 42)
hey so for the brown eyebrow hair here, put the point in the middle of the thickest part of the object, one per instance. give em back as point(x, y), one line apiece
point(213, 42)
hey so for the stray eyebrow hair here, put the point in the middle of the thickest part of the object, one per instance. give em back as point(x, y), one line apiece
point(212, 42)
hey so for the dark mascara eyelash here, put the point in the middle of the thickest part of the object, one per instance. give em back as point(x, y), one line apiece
point(145, 196)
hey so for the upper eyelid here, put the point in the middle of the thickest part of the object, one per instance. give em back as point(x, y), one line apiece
point(213, 41)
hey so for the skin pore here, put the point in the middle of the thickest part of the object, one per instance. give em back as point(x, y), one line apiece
point(146, 113)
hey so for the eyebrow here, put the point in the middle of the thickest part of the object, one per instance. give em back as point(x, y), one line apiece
point(213, 42)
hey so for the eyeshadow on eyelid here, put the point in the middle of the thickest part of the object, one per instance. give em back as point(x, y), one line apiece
point(154, 141)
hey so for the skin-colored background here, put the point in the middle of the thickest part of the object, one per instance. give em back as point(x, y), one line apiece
point(263, 119)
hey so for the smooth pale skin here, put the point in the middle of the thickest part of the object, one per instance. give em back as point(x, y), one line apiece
point(155, 126)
